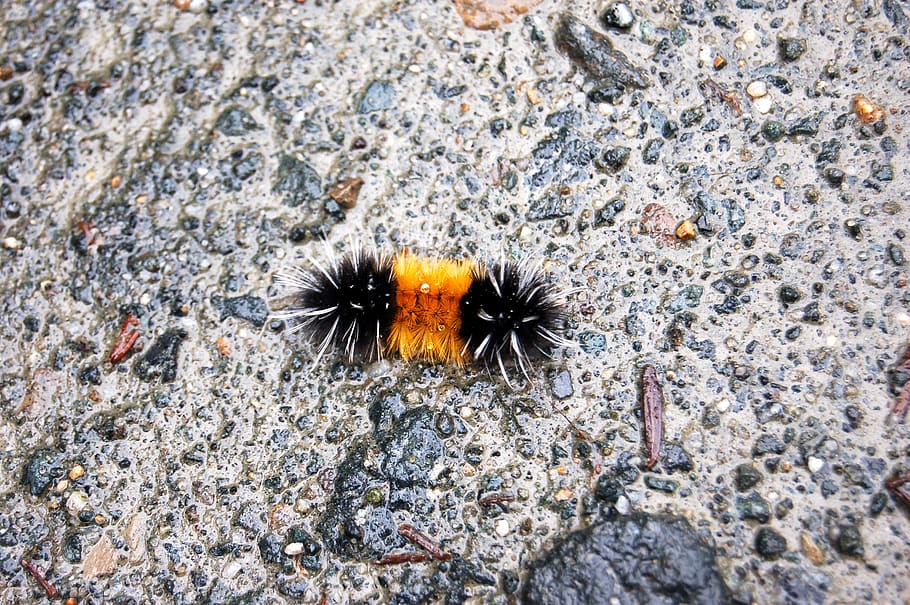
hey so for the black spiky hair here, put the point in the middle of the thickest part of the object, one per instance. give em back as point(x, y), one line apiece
point(510, 314)
point(347, 304)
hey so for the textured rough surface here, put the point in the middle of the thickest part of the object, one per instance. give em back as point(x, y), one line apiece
point(163, 160)
point(632, 559)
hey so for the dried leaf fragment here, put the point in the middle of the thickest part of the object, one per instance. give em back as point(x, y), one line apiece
point(346, 192)
point(652, 404)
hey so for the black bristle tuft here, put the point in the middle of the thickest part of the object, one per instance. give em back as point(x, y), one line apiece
point(348, 305)
point(510, 314)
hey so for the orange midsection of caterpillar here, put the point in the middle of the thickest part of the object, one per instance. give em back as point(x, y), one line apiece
point(427, 322)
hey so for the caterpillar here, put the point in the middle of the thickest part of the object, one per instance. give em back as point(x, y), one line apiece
point(425, 308)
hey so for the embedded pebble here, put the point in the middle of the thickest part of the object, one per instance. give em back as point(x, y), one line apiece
point(815, 464)
point(757, 89)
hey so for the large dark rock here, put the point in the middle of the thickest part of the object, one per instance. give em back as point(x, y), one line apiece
point(638, 558)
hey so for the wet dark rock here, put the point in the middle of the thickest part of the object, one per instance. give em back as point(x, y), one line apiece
point(878, 503)
point(828, 153)
point(247, 307)
point(691, 116)
point(561, 158)
point(235, 122)
point(90, 375)
point(607, 214)
point(297, 180)
point(768, 444)
point(594, 53)
point(849, 542)
point(509, 581)
point(675, 458)
point(651, 152)
point(769, 543)
point(310, 555)
point(606, 93)
point(789, 294)
point(773, 130)
point(746, 476)
point(592, 343)
point(342, 532)
point(791, 49)
point(72, 548)
point(882, 171)
point(754, 507)
point(896, 254)
point(895, 14)
point(379, 95)
point(854, 228)
point(552, 205)
point(41, 469)
point(807, 126)
point(498, 125)
point(638, 558)
point(812, 314)
point(561, 385)
point(617, 15)
point(608, 489)
point(613, 159)
point(410, 449)
point(803, 587)
point(834, 176)
point(793, 332)
point(667, 486)
point(161, 359)
point(247, 166)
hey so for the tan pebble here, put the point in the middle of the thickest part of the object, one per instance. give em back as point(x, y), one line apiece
point(116, 180)
point(811, 549)
point(182, 5)
point(867, 111)
point(533, 96)
point(142, 199)
point(135, 537)
point(76, 472)
point(563, 494)
point(101, 559)
point(686, 230)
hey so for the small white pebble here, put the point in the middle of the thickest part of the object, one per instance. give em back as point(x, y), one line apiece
point(14, 124)
point(145, 299)
point(231, 569)
point(815, 464)
point(903, 319)
point(466, 412)
point(414, 69)
point(76, 503)
point(831, 340)
point(502, 528)
point(11, 243)
point(622, 505)
point(756, 89)
point(197, 6)
point(723, 405)
point(293, 549)
point(762, 104)
point(202, 171)
point(750, 36)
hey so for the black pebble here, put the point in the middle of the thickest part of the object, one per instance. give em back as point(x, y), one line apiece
point(769, 543)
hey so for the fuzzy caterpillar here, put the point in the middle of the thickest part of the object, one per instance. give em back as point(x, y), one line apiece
point(426, 308)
